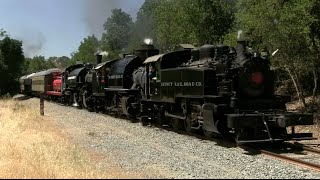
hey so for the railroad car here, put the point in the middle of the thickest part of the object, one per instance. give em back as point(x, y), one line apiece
point(42, 82)
point(25, 84)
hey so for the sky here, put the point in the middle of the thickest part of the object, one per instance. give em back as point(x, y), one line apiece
point(57, 27)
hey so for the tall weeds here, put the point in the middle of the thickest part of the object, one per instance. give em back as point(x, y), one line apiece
point(31, 146)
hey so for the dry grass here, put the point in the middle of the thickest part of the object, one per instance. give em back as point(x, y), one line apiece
point(33, 147)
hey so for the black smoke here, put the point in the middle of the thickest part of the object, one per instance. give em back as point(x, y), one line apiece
point(97, 12)
point(32, 42)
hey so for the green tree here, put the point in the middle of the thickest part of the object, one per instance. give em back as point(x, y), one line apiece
point(86, 51)
point(36, 64)
point(11, 64)
point(283, 25)
point(62, 62)
point(169, 25)
point(144, 26)
point(3, 33)
point(50, 64)
point(117, 33)
point(192, 21)
point(314, 40)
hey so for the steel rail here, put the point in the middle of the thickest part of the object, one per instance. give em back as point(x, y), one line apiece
point(294, 160)
point(306, 148)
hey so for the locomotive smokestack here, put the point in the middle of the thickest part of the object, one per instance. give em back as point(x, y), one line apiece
point(98, 57)
point(241, 48)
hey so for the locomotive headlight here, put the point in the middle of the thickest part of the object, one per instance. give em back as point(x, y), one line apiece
point(257, 78)
point(148, 41)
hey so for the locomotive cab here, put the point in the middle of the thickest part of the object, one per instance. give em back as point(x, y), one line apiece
point(154, 87)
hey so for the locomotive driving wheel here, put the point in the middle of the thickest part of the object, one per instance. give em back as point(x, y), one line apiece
point(208, 134)
point(177, 124)
point(159, 118)
point(188, 124)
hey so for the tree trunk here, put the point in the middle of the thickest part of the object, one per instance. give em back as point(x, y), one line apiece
point(315, 80)
point(314, 70)
point(297, 86)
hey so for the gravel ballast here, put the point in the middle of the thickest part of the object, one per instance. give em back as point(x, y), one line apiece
point(158, 153)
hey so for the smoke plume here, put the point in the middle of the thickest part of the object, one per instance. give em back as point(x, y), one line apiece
point(32, 43)
point(98, 11)
point(104, 53)
point(239, 34)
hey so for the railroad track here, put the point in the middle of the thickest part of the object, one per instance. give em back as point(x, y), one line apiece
point(296, 147)
point(295, 153)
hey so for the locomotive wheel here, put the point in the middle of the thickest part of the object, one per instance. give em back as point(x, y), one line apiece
point(188, 125)
point(208, 134)
point(133, 119)
point(145, 121)
point(160, 119)
point(177, 124)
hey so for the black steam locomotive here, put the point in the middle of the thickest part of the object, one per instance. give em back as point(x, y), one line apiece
point(213, 89)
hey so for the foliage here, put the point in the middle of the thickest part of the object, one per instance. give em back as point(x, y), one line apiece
point(86, 51)
point(3, 33)
point(277, 24)
point(192, 21)
point(38, 63)
point(11, 61)
point(60, 62)
point(290, 26)
point(144, 27)
point(117, 31)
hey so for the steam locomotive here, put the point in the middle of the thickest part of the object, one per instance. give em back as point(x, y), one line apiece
point(218, 90)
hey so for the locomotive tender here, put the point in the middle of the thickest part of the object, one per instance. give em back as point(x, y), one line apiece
point(212, 89)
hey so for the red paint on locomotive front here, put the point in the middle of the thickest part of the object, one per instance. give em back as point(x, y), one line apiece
point(57, 84)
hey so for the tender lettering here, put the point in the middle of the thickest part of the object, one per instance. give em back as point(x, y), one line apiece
point(181, 84)
point(115, 77)
point(166, 83)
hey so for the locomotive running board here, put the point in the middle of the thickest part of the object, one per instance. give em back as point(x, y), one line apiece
point(258, 141)
point(296, 137)
point(301, 136)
